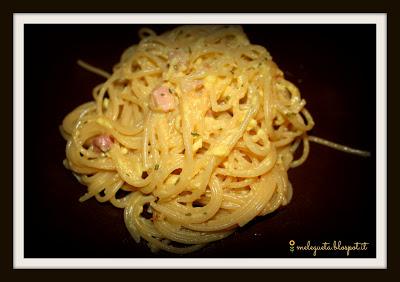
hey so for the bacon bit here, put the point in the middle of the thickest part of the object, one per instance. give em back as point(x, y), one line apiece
point(177, 171)
point(102, 143)
point(163, 99)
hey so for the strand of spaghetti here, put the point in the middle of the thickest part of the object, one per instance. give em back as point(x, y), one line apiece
point(197, 215)
point(261, 193)
point(144, 228)
point(339, 147)
point(306, 151)
point(187, 236)
point(93, 69)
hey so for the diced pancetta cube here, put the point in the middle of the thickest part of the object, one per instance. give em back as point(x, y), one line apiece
point(162, 99)
point(102, 143)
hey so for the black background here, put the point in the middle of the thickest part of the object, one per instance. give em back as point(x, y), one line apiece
point(334, 193)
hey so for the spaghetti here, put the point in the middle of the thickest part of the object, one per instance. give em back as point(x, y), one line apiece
point(199, 127)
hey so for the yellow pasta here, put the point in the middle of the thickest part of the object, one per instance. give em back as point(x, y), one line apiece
point(199, 126)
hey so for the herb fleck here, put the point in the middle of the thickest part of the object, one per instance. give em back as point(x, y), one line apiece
point(195, 134)
point(188, 214)
point(177, 181)
point(170, 90)
point(157, 166)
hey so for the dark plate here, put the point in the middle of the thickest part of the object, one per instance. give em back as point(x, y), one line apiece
point(334, 193)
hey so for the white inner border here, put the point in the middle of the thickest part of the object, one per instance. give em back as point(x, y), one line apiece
point(330, 18)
